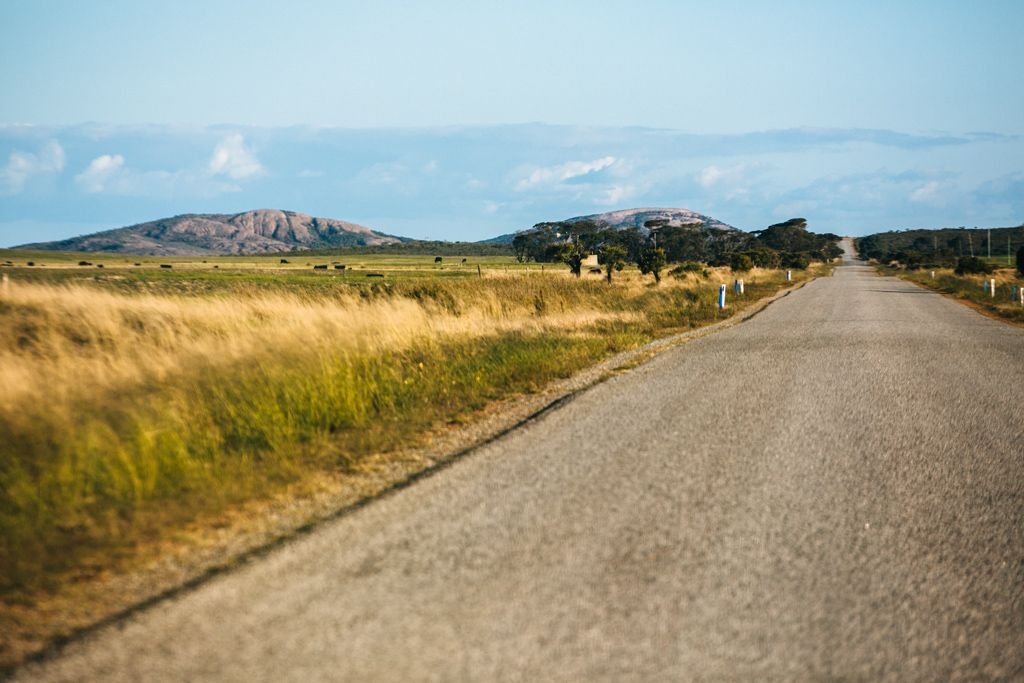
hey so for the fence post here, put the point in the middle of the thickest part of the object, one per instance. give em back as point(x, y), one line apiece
point(721, 297)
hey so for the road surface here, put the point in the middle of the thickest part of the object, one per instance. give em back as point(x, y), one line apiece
point(833, 490)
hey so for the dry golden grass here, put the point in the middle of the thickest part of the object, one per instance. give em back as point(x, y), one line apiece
point(124, 412)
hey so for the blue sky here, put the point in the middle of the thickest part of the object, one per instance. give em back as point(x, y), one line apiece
point(465, 120)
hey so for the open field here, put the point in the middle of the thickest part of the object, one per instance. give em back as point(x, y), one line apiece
point(138, 399)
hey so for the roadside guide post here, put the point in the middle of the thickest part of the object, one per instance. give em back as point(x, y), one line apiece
point(721, 297)
point(789, 276)
point(992, 287)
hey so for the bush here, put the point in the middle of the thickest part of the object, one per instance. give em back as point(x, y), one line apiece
point(972, 265)
point(763, 257)
point(741, 262)
point(689, 267)
point(797, 261)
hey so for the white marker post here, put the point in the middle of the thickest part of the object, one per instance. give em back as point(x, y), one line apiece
point(789, 276)
point(741, 287)
point(992, 287)
point(1020, 294)
point(721, 297)
point(933, 274)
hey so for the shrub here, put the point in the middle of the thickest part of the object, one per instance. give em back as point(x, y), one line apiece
point(764, 257)
point(689, 267)
point(972, 265)
point(797, 261)
point(741, 262)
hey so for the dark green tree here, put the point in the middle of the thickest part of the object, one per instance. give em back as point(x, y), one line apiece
point(572, 254)
point(613, 257)
point(652, 261)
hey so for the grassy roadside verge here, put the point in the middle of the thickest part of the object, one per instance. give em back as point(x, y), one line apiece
point(970, 289)
point(127, 415)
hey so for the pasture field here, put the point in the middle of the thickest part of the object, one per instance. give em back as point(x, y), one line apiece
point(137, 399)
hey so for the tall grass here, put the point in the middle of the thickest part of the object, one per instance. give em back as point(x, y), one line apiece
point(124, 413)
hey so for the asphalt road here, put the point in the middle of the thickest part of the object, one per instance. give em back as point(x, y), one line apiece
point(833, 490)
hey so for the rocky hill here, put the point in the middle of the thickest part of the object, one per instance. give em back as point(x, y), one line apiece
point(252, 232)
point(635, 218)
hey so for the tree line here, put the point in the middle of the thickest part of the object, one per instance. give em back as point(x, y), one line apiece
point(782, 245)
point(958, 248)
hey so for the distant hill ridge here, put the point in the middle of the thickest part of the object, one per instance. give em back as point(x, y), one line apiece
point(635, 218)
point(626, 219)
point(252, 232)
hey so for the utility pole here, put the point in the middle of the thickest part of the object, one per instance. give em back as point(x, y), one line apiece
point(989, 240)
point(1008, 248)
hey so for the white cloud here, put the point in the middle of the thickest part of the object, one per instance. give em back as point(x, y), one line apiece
point(555, 175)
point(232, 158)
point(23, 165)
point(927, 193)
point(231, 161)
point(103, 173)
point(616, 194)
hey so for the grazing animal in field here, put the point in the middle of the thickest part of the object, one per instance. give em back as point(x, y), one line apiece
point(437, 259)
point(339, 267)
point(323, 267)
point(99, 265)
point(84, 263)
point(138, 264)
point(166, 265)
point(284, 260)
point(30, 263)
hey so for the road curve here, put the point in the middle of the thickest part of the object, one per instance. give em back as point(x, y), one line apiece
point(833, 490)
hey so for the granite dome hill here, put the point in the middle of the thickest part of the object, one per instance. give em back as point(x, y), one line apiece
point(251, 232)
